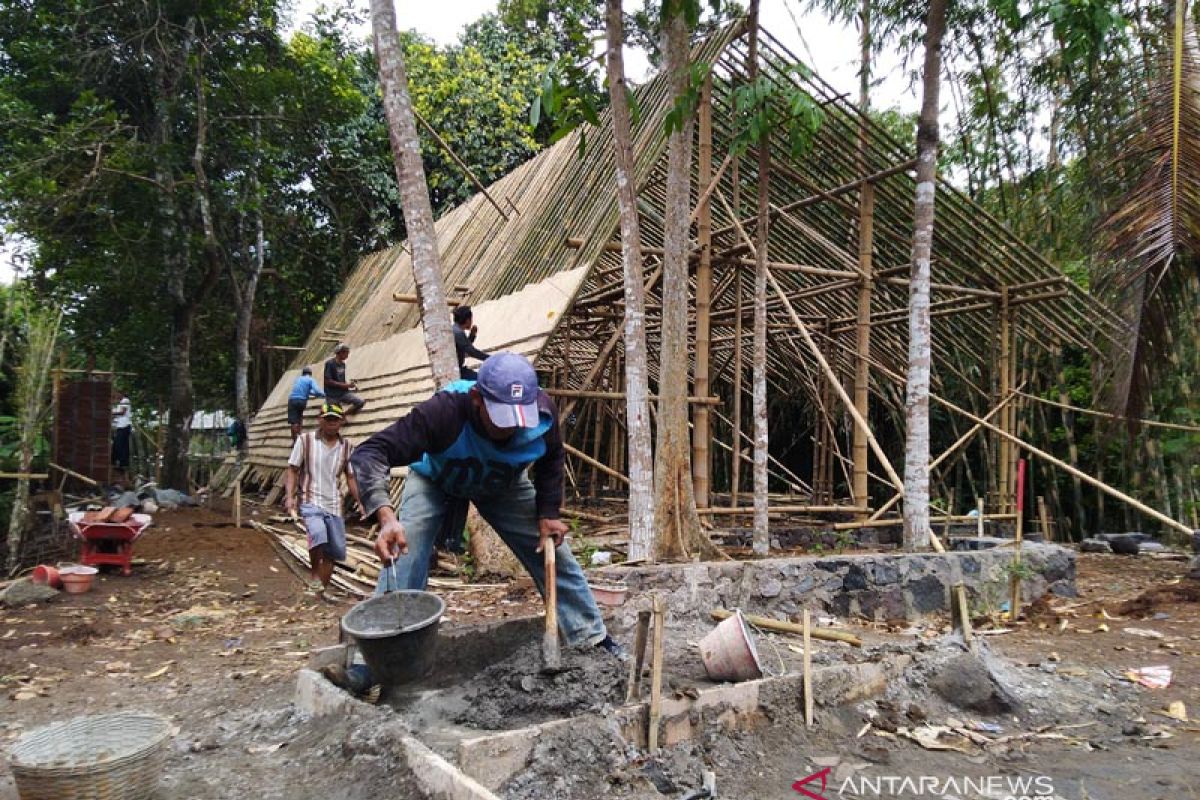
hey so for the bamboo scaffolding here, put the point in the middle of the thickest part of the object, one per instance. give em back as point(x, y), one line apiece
point(1149, 423)
point(858, 419)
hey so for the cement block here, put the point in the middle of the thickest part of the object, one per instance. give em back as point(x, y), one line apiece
point(318, 697)
point(439, 778)
point(493, 759)
point(321, 657)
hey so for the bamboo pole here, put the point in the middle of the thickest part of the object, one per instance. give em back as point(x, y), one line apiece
point(702, 425)
point(937, 462)
point(597, 443)
point(845, 398)
point(735, 464)
point(76, 475)
point(808, 696)
point(591, 394)
point(1101, 487)
point(862, 372)
point(1014, 579)
point(1044, 519)
point(479, 187)
point(821, 360)
point(1002, 484)
point(784, 509)
point(1149, 423)
point(767, 623)
point(851, 526)
point(595, 464)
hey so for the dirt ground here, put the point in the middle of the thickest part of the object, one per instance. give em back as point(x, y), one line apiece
point(212, 626)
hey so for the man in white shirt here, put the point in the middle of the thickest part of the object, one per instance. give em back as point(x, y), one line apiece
point(317, 462)
point(122, 428)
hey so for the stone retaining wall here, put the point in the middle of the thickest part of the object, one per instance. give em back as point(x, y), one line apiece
point(878, 586)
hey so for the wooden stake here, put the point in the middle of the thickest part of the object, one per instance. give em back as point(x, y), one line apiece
point(964, 617)
point(979, 525)
point(808, 698)
point(633, 690)
point(656, 669)
point(237, 504)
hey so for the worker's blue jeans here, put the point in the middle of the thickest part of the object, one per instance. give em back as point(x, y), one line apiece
point(513, 515)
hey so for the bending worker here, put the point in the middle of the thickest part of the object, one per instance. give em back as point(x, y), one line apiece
point(475, 441)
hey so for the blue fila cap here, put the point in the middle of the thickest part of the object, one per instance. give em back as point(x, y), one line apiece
point(510, 390)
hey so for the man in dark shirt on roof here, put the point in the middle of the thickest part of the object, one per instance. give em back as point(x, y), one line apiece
point(476, 441)
point(465, 331)
point(337, 389)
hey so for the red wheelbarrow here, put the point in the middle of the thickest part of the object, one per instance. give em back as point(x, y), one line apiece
point(109, 543)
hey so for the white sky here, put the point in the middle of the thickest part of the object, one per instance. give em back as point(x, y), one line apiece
point(831, 49)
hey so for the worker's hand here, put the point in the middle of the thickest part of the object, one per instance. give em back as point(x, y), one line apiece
point(354, 386)
point(552, 528)
point(474, 330)
point(289, 505)
point(391, 543)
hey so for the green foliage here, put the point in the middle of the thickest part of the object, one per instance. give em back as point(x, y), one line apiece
point(1019, 570)
point(87, 176)
point(767, 106)
point(10, 446)
point(689, 100)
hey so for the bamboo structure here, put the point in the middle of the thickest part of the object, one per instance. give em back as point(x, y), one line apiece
point(543, 264)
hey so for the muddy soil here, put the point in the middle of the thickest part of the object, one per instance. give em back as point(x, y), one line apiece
point(212, 627)
point(209, 631)
point(1045, 708)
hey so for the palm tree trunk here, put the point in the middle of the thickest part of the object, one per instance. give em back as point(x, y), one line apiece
point(674, 500)
point(637, 403)
point(414, 193)
point(916, 405)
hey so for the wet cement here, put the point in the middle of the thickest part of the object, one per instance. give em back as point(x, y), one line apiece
point(514, 692)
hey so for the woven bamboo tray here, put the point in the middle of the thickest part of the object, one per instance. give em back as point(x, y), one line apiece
point(109, 757)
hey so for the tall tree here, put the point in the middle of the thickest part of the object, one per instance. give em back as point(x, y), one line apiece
point(762, 533)
point(674, 500)
point(41, 333)
point(916, 402)
point(637, 404)
point(414, 193)
point(1151, 242)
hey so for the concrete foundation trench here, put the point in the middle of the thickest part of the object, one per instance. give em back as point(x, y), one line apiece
point(488, 724)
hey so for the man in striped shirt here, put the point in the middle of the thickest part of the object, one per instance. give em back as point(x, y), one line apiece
point(317, 462)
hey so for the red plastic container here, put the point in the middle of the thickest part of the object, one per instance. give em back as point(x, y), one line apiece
point(45, 574)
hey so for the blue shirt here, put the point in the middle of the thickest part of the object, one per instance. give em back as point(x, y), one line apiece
point(475, 465)
point(304, 388)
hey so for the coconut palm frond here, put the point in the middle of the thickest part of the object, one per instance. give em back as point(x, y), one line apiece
point(1152, 240)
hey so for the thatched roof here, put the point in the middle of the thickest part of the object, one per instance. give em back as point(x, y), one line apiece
point(548, 260)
